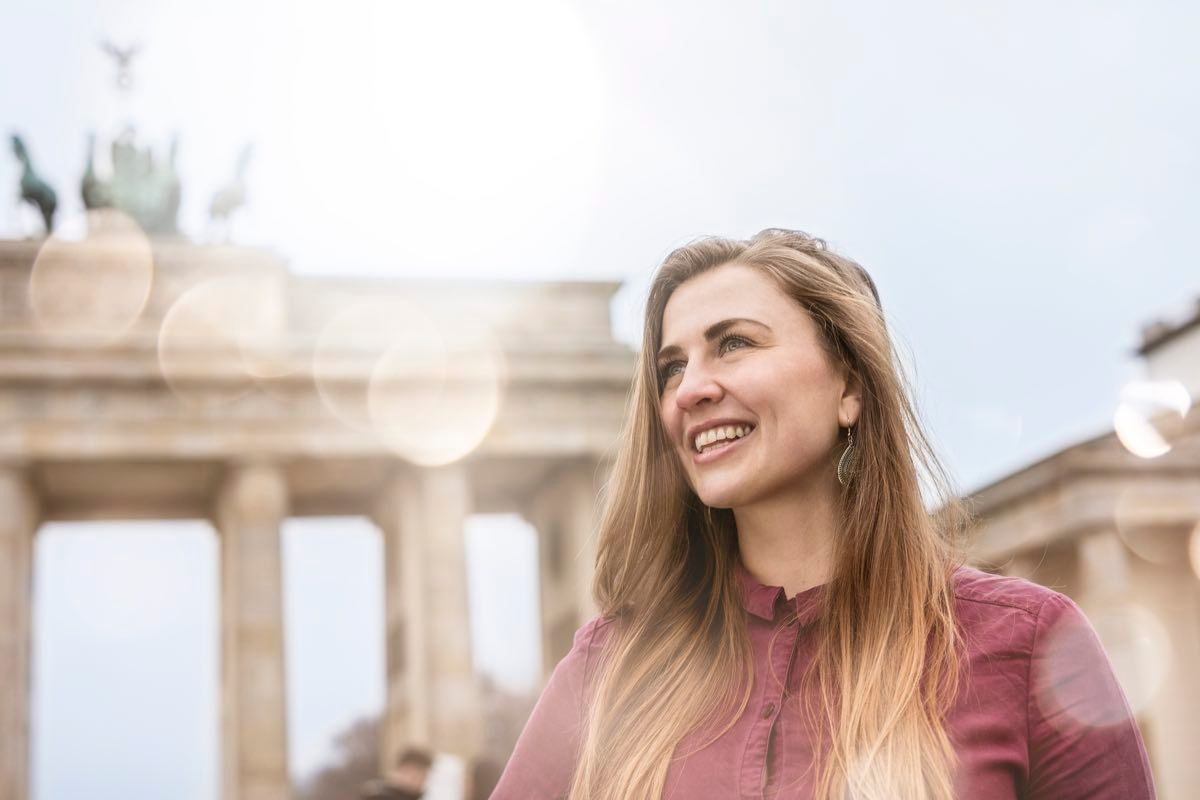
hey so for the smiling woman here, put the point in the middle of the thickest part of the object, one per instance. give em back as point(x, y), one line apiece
point(781, 616)
point(764, 369)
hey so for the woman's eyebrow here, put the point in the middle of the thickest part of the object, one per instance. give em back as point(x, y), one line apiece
point(711, 332)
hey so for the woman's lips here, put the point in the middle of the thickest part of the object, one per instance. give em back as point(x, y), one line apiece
point(715, 451)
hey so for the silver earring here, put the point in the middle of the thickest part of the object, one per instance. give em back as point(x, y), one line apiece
point(848, 463)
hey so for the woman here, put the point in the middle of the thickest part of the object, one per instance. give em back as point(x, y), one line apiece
point(781, 617)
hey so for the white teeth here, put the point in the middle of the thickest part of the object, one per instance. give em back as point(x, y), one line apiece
point(720, 434)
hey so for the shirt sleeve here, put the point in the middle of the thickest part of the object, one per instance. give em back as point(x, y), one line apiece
point(544, 758)
point(1083, 740)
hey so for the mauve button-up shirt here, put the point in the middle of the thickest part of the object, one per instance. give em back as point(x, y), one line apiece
point(1039, 714)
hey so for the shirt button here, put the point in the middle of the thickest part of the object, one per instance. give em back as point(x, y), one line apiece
point(768, 711)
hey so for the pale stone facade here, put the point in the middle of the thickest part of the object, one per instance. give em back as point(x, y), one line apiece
point(126, 392)
point(1120, 534)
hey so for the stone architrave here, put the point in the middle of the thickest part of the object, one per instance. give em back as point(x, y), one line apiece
point(433, 697)
point(250, 509)
point(17, 528)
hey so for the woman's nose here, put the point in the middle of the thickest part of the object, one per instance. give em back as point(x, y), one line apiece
point(696, 385)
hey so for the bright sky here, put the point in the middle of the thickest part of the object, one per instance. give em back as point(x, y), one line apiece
point(1018, 177)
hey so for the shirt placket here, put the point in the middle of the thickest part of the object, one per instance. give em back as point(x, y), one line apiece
point(758, 747)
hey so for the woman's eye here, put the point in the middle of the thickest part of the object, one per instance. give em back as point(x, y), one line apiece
point(731, 339)
point(673, 369)
point(667, 374)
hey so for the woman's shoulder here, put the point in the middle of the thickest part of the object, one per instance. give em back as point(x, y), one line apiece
point(579, 663)
point(1008, 612)
point(1038, 663)
point(594, 632)
point(547, 749)
point(974, 586)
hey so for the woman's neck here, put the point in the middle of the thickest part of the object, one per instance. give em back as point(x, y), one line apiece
point(788, 541)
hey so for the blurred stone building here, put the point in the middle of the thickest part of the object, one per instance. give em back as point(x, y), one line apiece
point(156, 379)
point(1114, 522)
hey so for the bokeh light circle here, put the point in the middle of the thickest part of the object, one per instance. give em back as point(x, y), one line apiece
point(1067, 687)
point(94, 286)
point(425, 379)
point(221, 336)
point(1147, 520)
point(1139, 421)
point(355, 338)
point(444, 417)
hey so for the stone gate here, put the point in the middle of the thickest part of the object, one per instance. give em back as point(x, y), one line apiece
point(164, 380)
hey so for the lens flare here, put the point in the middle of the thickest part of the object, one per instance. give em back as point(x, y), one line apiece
point(353, 341)
point(95, 286)
point(1071, 692)
point(221, 336)
point(1141, 422)
point(435, 421)
point(427, 380)
point(262, 336)
point(1147, 519)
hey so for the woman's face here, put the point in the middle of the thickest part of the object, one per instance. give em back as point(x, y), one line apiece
point(738, 352)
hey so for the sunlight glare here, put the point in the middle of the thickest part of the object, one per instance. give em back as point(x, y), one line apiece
point(1137, 420)
point(451, 133)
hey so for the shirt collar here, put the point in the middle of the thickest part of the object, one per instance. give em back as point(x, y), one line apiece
point(766, 602)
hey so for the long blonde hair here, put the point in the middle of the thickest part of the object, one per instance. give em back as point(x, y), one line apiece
point(677, 659)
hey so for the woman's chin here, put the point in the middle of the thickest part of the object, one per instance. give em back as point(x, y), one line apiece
point(720, 496)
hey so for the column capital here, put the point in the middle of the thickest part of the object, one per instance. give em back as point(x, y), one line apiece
point(409, 484)
point(254, 491)
point(18, 496)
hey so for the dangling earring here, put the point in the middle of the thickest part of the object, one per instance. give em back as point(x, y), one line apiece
point(848, 463)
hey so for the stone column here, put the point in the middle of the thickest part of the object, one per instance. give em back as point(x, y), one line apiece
point(566, 513)
point(433, 695)
point(250, 508)
point(1166, 661)
point(17, 527)
point(1104, 563)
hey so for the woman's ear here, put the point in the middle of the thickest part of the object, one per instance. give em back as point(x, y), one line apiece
point(850, 405)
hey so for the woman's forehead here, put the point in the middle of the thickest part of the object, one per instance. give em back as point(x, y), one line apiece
point(726, 292)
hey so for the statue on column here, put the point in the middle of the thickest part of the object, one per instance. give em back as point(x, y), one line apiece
point(142, 185)
point(34, 190)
